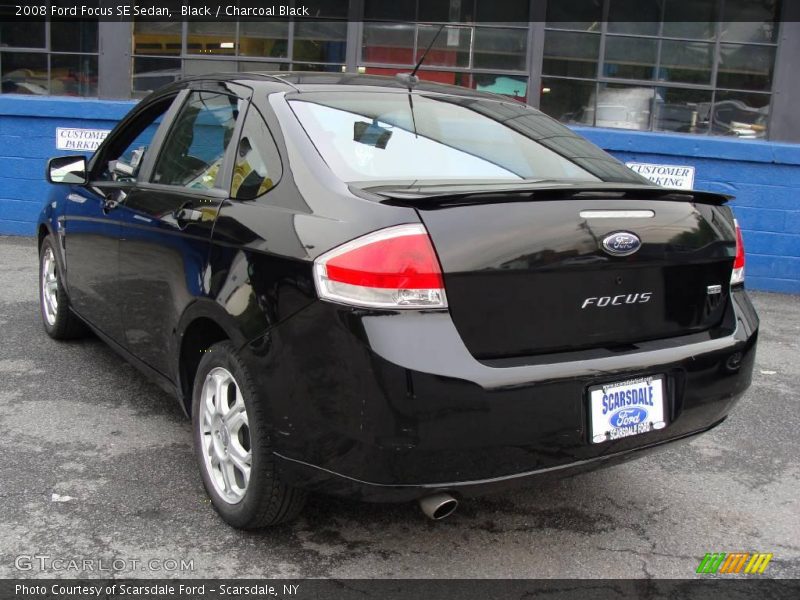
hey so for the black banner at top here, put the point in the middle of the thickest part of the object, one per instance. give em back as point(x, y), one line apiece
point(434, 11)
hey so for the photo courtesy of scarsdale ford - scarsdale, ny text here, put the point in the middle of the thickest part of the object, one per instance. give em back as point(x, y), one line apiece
point(165, 590)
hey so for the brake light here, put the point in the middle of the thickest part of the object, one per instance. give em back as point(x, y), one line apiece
point(395, 267)
point(737, 276)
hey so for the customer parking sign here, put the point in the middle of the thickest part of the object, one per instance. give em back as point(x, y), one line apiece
point(80, 140)
point(671, 176)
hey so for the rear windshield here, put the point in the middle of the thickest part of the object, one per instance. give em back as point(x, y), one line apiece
point(379, 136)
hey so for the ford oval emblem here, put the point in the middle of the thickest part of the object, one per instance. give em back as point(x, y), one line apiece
point(626, 417)
point(621, 243)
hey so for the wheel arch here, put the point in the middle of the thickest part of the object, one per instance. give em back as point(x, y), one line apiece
point(43, 229)
point(42, 232)
point(203, 324)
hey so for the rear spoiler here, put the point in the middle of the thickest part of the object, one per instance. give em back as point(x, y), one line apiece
point(433, 196)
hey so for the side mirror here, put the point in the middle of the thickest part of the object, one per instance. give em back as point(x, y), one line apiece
point(67, 169)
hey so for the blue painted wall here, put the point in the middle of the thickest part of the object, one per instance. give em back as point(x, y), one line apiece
point(764, 176)
point(28, 138)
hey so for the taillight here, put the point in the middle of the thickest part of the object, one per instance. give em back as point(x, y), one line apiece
point(391, 268)
point(737, 276)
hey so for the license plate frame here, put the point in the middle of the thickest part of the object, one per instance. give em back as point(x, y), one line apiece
point(632, 407)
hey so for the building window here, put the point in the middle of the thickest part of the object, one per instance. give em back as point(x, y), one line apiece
point(488, 57)
point(164, 52)
point(643, 65)
point(49, 57)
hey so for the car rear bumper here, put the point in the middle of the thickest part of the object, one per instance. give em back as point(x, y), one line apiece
point(391, 407)
point(317, 479)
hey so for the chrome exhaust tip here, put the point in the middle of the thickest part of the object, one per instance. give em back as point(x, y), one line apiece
point(438, 506)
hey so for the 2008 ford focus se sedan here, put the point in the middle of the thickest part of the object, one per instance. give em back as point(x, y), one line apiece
point(393, 290)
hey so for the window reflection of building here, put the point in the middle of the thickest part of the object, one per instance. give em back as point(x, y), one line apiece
point(54, 57)
point(164, 52)
point(651, 67)
point(490, 59)
point(704, 67)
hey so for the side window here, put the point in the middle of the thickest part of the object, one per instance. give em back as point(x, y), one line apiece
point(194, 149)
point(258, 164)
point(123, 158)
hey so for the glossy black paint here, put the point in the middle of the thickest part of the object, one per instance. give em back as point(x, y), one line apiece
point(430, 415)
point(94, 251)
point(518, 275)
point(392, 405)
point(161, 262)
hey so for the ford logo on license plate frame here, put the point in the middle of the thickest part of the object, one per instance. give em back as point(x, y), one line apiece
point(627, 408)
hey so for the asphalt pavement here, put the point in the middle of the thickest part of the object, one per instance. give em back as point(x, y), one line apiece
point(96, 465)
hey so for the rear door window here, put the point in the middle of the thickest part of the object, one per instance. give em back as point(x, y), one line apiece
point(258, 165)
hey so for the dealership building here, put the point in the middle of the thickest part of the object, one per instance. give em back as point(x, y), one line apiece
point(702, 93)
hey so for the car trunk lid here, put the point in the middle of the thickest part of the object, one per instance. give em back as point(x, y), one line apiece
point(527, 271)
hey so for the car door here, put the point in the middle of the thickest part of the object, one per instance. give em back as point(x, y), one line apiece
point(92, 226)
point(167, 220)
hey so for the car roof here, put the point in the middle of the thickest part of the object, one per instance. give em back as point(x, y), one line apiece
point(303, 81)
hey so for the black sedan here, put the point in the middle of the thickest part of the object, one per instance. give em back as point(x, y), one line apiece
point(393, 290)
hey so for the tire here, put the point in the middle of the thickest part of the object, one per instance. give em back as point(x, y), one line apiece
point(232, 435)
point(59, 321)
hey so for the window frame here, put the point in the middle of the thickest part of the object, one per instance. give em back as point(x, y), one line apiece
point(46, 50)
point(221, 187)
point(100, 157)
point(600, 80)
point(288, 62)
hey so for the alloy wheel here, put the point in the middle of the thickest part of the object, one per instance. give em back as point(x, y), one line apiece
point(49, 287)
point(225, 435)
